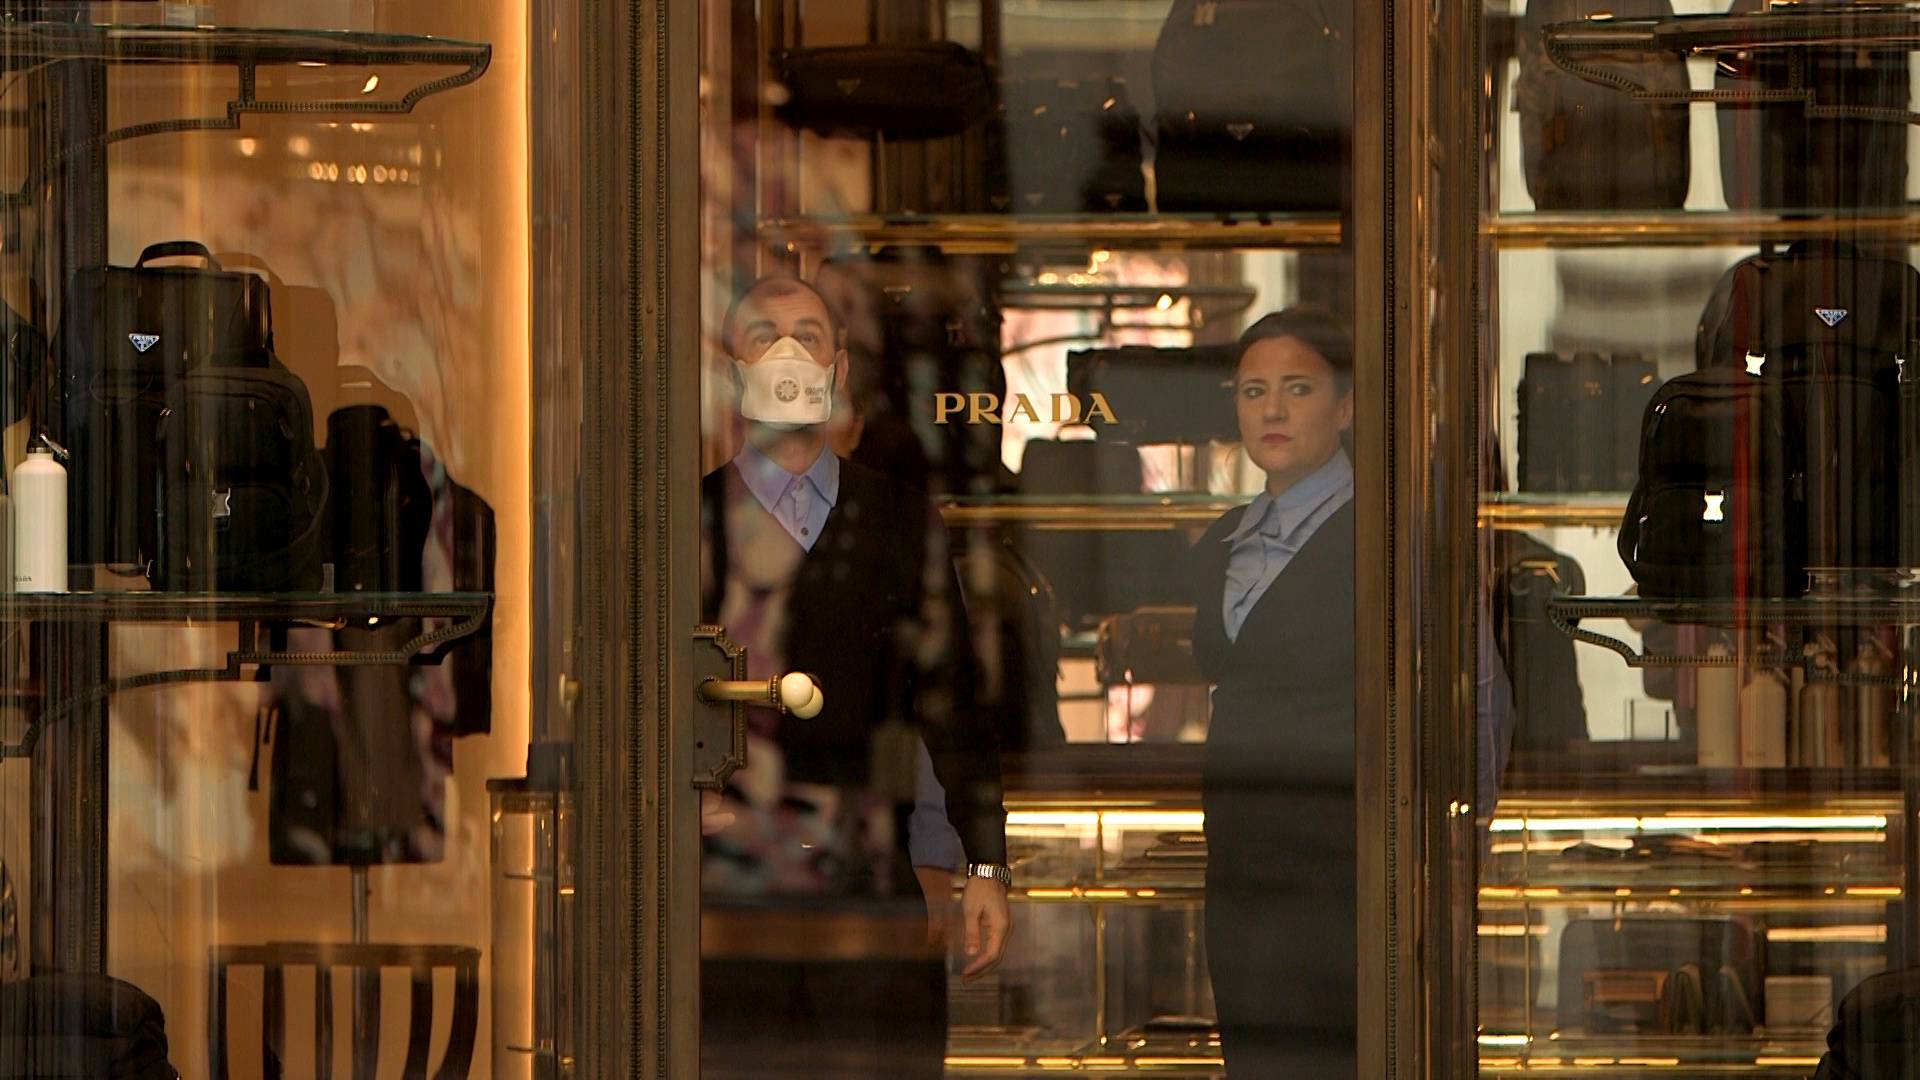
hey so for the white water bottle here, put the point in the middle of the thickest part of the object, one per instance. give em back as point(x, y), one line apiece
point(40, 522)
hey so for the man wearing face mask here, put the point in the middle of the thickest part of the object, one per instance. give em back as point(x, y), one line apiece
point(820, 565)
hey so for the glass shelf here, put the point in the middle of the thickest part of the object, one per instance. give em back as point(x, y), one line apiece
point(996, 233)
point(1088, 513)
point(1538, 510)
point(28, 43)
point(1685, 228)
point(1793, 1056)
point(104, 607)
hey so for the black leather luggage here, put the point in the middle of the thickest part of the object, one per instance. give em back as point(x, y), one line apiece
point(1159, 395)
point(1835, 135)
point(1543, 670)
point(127, 336)
point(380, 506)
point(1253, 105)
point(1590, 147)
point(81, 1027)
point(894, 91)
point(1580, 420)
point(242, 490)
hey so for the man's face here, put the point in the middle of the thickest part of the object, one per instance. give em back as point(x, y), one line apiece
point(796, 313)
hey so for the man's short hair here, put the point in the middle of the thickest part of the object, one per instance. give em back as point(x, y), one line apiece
point(777, 284)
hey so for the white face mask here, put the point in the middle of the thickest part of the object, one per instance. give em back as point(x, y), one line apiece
point(785, 388)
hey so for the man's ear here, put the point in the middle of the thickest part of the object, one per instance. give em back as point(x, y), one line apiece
point(841, 368)
point(1346, 411)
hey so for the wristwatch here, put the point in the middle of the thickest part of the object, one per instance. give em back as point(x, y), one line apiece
point(992, 871)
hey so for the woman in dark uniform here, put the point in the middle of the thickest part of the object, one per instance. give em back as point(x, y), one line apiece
point(1274, 633)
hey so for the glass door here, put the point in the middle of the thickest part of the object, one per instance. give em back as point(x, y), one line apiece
point(1023, 703)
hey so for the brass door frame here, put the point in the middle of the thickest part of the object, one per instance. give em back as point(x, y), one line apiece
point(1414, 232)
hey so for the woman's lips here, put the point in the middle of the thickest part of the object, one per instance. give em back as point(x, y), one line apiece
point(1275, 440)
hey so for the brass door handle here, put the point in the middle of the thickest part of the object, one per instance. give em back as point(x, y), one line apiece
point(795, 692)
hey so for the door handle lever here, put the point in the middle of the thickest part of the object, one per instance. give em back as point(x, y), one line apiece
point(723, 693)
point(795, 693)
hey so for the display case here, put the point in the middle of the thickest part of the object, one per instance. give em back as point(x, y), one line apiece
point(1689, 834)
point(256, 281)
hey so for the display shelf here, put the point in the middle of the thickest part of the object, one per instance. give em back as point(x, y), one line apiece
point(1215, 300)
point(1888, 25)
point(24, 45)
point(100, 607)
point(1687, 228)
point(1113, 1060)
point(1091, 513)
point(998, 233)
point(1567, 612)
point(259, 619)
point(1793, 1056)
point(1541, 510)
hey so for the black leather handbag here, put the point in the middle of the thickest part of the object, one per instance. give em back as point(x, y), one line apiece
point(127, 337)
point(1590, 147)
point(894, 91)
point(1159, 395)
point(1066, 146)
point(1834, 133)
point(1253, 105)
point(1580, 420)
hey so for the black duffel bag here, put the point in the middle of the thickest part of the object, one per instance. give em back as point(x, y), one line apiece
point(127, 336)
point(1253, 105)
point(895, 91)
point(242, 489)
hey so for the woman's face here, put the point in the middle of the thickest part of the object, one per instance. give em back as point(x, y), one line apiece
point(1292, 412)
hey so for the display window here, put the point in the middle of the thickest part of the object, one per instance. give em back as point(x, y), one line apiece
point(1696, 777)
point(266, 623)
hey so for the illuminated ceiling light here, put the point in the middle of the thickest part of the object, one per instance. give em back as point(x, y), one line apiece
point(312, 63)
point(299, 146)
point(249, 147)
point(361, 127)
point(1165, 302)
point(372, 84)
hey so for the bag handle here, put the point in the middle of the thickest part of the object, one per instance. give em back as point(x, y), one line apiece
point(177, 249)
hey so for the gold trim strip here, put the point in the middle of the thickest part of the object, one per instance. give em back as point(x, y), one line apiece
point(1683, 229)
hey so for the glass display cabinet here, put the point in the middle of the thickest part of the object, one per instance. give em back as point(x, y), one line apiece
point(1696, 762)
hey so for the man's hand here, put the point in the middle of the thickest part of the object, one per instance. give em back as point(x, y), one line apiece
point(714, 815)
point(936, 884)
point(987, 922)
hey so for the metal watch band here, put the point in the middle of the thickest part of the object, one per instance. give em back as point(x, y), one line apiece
point(993, 871)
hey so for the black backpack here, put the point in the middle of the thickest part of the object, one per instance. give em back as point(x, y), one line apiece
point(1253, 105)
point(127, 336)
point(243, 489)
point(1838, 138)
point(381, 506)
point(1746, 480)
point(1817, 306)
point(1876, 1033)
point(1590, 147)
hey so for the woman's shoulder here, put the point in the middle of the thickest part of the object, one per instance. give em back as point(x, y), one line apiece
point(1225, 524)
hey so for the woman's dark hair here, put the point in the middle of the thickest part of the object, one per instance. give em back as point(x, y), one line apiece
point(1316, 327)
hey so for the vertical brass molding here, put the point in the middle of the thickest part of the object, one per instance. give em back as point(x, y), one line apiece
point(610, 960)
point(1437, 415)
point(664, 518)
point(1376, 662)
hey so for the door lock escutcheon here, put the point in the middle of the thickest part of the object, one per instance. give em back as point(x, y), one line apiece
point(723, 693)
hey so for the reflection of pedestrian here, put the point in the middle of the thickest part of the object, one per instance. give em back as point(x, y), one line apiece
point(1274, 633)
point(820, 565)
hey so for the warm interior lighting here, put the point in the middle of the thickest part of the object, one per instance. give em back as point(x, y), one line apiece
point(1807, 1062)
point(1509, 930)
point(984, 1062)
point(249, 147)
point(1178, 1062)
point(1823, 823)
point(372, 84)
point(1658, 1063)
point(1505, 1040)
point(1187, 820)
point(1873, 890)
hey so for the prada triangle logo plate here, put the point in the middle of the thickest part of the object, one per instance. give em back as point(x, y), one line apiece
point(1831, 315)
point(143, 342)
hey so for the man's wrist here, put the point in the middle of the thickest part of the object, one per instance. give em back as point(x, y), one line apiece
point(991, 872)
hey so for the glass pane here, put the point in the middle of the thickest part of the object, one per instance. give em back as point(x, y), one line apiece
point(266, 616)
point(1011, 312)
point(1695, 747)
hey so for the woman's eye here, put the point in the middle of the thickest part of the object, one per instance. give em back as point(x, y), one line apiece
point(1300, 389)
point(1252, 391)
